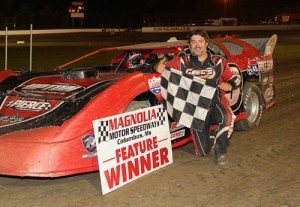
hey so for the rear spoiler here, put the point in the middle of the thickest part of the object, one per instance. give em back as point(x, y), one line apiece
point(270, 45)
point(264, 45)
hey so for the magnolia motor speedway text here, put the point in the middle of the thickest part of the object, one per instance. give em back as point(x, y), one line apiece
point(133, 130)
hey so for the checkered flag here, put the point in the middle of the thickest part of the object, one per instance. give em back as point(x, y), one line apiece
point(160, 115)
point(103, 130)
point(187, 98)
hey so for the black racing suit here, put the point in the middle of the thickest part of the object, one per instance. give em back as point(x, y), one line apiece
point(215, 70)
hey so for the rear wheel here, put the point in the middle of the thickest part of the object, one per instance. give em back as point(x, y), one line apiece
point(253, 104)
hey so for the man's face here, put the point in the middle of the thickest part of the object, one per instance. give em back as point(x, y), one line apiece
point(198, 45)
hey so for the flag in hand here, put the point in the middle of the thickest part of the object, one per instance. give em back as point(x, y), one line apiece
point(186, 98)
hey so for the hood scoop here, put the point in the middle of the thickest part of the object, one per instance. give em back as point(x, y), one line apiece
point(80, 73)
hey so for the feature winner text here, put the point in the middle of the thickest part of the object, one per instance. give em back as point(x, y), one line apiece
point(136, 159)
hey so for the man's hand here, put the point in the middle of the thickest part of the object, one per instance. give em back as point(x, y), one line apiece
point(225, 86)
point(160, 66)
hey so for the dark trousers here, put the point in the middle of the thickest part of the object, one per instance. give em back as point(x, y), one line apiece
point(219, 116)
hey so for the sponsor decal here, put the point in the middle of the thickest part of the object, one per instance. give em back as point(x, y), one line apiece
point(175, 126)
point(253, 68)
point(27, 108)
point(207, 73)
point(257, 66)
point(154, 85)
point(49, 88)
point(11, 119)
point(89, 144)
point(265, 65)
point(269, 94)
point(26, 105)
point(177, 134)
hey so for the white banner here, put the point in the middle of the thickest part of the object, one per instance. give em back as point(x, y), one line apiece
point(131, 145)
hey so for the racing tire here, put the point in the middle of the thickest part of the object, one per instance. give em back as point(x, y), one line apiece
point(135, 105)
point(253, 104)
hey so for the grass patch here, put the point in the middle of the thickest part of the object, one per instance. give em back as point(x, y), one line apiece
point(287, 52)
point(45, 57)
point(49, 55)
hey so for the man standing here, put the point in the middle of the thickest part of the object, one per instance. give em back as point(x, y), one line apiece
point(202, 63)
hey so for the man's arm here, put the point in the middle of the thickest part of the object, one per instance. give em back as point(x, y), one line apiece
point(231, 81)
point(161, 65)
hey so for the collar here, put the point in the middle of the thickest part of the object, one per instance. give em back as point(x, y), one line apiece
point(208, 60)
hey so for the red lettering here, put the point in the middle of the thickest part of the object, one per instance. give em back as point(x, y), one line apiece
point(118, 155)
point(124, 172)
point(145, 162)
point(135, 149)
point(124, 154)
point(177, 134)
point(131, 152)
point(133, 168)
point(113, 177)
point(149, 144)
point(132, 119)
point(113, 124)
point(155, 159)
point(142, 147)
point(163, 152)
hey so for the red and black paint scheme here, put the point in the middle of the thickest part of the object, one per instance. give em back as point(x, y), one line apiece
point(46, 117)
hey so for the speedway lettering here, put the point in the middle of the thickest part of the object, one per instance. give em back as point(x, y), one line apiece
point(161, 29)
point(133, 130)
point(139, 143)
point(132, 119)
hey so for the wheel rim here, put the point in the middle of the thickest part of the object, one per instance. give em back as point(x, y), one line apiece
point(252, 107)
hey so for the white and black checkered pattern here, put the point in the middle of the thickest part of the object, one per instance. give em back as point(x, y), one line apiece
point(103, 131)
point(160, 116)
point(186, 98)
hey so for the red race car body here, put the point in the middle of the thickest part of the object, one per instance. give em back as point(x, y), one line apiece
point(46, 117)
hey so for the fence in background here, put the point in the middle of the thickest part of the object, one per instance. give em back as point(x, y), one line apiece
point(160, 29)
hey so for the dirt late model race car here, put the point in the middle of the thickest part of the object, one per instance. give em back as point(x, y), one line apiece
point(46, 117)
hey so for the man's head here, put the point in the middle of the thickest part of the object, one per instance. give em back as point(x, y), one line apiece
point(200, 32)
point(198, 42)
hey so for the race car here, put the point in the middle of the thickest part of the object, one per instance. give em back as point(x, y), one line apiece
point(46, 117)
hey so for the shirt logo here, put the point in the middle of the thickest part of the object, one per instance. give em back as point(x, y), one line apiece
point(206, 73)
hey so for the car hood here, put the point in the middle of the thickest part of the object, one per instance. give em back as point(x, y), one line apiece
point(36, 99)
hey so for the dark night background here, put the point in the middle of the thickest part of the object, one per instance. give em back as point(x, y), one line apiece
point(49, 14)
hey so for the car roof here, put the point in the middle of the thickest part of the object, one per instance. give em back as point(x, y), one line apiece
point(151, 45)
point(171, 44)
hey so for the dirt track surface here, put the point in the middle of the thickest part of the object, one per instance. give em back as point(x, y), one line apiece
point(263, 169)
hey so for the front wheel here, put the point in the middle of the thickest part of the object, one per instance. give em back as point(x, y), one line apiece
point(253, 104)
